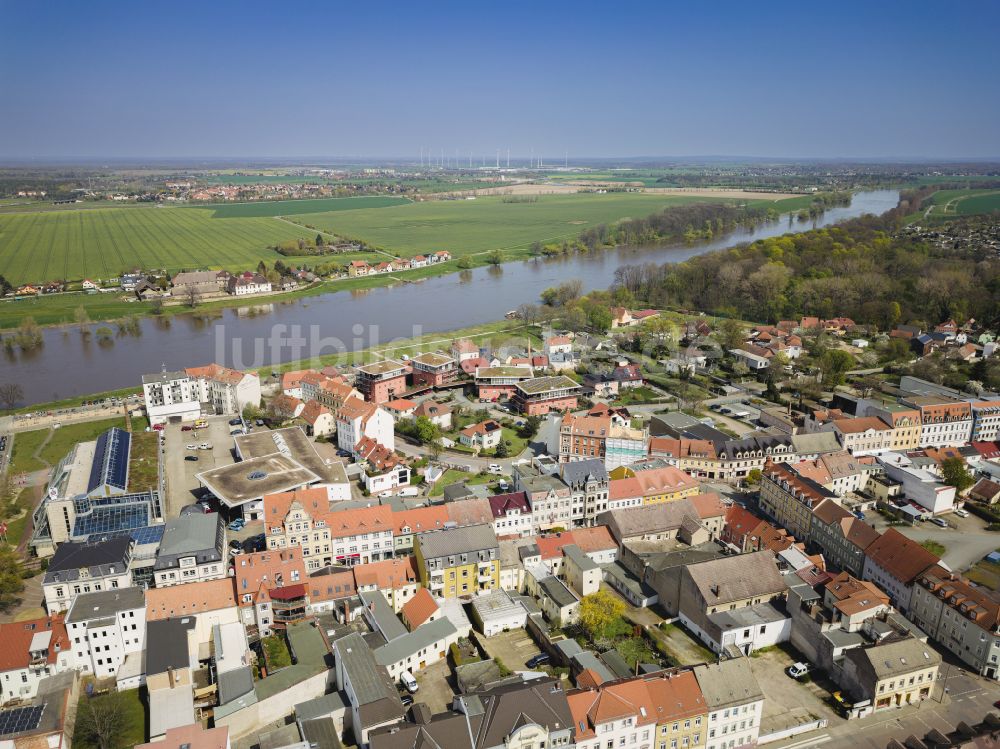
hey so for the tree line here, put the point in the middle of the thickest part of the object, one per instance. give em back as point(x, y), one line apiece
point(863, 269)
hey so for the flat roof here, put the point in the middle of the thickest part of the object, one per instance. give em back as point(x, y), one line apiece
point(381, 367)
point(432, 359)
point(538, 385)
point(251, 479)
point(294, 442)
point(522, 372)
point(104, 603)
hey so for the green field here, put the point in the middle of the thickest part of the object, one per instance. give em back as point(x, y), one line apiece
point(296, 207)
point(964, 203)
point(465, 227)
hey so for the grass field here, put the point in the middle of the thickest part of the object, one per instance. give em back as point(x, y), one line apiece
point(465, 227)
point(295, 207)
point(951, 203)
point(133, 729)
point(26, 444)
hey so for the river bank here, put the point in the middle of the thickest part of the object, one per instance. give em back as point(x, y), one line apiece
point(261, 334)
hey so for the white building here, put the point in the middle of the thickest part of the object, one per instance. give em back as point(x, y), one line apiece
point(735, 703)
point(416, 650)
point(104, 628)
point(358, 418)
point(497, 612)
point(918, 484)
point(86, 567)
point(32, 651)
point(170, 395)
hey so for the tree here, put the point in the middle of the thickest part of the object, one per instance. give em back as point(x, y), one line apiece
point(465, 263)
point(535, 249)
point(954, 473)
point(104, 721)
point(426, 430)
point(502, 451)
point(261, 268)
point(11, 393)
point(730, 334)
point(11, 582)
point(82, 319)
point(600, 614)
point(834, 364)
point(753, 476)
point(319, 240)
point(495, 257)
point(530, 428)
point(191, 294)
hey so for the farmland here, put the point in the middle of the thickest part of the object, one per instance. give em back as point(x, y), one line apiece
point(465, 227)
point(296, 207)
point(953, 203)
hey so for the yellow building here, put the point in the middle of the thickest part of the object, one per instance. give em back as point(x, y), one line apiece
point(456, 562)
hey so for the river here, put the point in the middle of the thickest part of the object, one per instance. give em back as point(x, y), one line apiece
point(69, 364)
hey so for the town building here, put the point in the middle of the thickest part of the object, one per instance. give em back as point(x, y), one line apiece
point(894, 563)
point(588, 482)
point(86, 567)
point(485, 435)
point(248, 283)
point(891, 674)
point(541, 395)
point(734, 702)
point(511, 515)
point(434, 370)
point(550, 499)
point(193, 548)
point(790, 498)
point(456, 562)
point(371, 694)
point(32, 651)
point(381, 381)
point(357, 419)
point(105, 628)
point(943, 420)
point(497, 383)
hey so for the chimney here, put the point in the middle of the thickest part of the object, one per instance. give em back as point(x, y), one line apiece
point(171, 677)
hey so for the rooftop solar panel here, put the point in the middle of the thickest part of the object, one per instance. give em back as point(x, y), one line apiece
point(110, 466)
point(20, 719)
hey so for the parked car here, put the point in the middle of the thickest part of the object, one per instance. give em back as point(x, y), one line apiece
point(204, 446)
point(940, 522)
point(410, 491)
point(234, 544)
point(503, 485)
point(158, 427)
point(191, 447)
point(406, 699)
point(798, 670)
point(259, 422)
point(192, 458)
point(962, 513)
point(496, 469)
point(235, 422)
point(237, 525)
point(537, 660)
point(187, 428)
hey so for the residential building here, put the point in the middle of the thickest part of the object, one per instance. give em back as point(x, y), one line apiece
point(248, 283)
point(496, 383)
point(225, 391)
point(320, 421)
point(192, 736)
point(920, 485)
point(485, 435)
point(33, 650)
point(541, 395)
point(408, 523)
point(962, 617)
point(649, 485)
point(207, 604)
point(985, 421)
point(599, 436)
point(361, 535)
point(892, 674)
point(438, 413)
point(864, 435)
point(511, 515)
point(299, 519)
point(416, 650)
point(588, 482)
point(381, 381)
point(357, 419)
point(496, 612)
point(894, 563)
point(397, 579)
point(260, 578)
point(170, 396)
point(943, 420)
point(791, 498)
point(550, 499)
point(105, 628)
point(370, 691)
point(841, 537)
point(434, 370)
point(193, 548)
point(456, 562)
point(86, 567)
point(734, 701)
point(904, 421)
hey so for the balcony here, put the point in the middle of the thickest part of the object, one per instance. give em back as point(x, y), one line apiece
point(485, 577)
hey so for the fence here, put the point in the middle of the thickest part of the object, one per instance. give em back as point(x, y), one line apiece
point(787, 733)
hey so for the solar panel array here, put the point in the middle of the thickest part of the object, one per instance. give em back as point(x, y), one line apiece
point(110, 466)
point(111, 520)
point(20, 719)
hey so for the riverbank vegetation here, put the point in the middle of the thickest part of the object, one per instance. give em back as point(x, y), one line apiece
point(864, 269)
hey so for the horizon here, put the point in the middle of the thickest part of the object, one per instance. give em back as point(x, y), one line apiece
point(247, 81)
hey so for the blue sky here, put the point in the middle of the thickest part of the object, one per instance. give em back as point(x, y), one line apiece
point(848, 79)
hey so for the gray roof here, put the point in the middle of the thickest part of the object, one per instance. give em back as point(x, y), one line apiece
point(378, 700)
point(581, 560)
point(105, 603)
point(201, 536)
point(411, 642)
point(579, 472)
point(895, 658)
point(320, 733)
point(613, 660)
point(100, 558)
point(638, 521)
point(540, 701)
point(377, 609)
point(444, 731)
point(554, 588)
point(587, 660)
point(320, 707)
point(171, 649)
point(234, 684)
point(815, 443)
point(734, 578)
point(150, 379)
point(729, 682)
point(748, 616)
point(451, 541)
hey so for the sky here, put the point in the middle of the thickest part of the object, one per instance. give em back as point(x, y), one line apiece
point(873, 79)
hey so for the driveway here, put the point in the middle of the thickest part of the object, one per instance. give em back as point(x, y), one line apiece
point(183, 487)
point(435, 684)
point(512, 648)
point(789, 702)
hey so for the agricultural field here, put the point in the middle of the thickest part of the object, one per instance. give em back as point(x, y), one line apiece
point(103, 243)
point(465, 227)
point(950, 203)
point(296, 207)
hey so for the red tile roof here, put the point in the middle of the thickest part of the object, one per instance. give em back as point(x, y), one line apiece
point(419, 608)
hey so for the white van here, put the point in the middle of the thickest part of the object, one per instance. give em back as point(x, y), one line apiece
point(410, 491)
point(407, 680)
point(496, 469)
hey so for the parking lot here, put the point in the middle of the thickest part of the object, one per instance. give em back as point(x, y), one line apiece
point(512, 648)
point(182, 485)
point(789, 702)
point(436, 690)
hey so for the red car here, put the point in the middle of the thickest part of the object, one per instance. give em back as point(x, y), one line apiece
point(186, 428)
point(158, 427)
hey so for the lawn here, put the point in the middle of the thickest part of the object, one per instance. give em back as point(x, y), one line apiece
point(25, 444)
point(934, 547)
point(276, 652)
point(101, 243)
point(465, 227)
point(143, 464)
point(451, 476)
point(964, 202)
point(134, 730)
point(63, 438)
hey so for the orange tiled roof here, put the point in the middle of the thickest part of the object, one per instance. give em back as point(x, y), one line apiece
point(419, 608)
point(191, 598)
point(16, 638)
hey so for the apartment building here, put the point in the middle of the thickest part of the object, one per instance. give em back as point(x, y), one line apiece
point(105, 628)
point(32, 651)
point(650, 485)
point(601, 437)
point(434, 370)
point(894, 563)
point(541, 395)
point(357, 419)
point(456, 562)
point(588, 482)
point(790, 498)
point(892, 674)
point(550, 499)
point(225, 391)
point(985, 421)
point(193, 548)
point(863, 435)
point(904, 421)
point(963, 618)
point(86, 567)
point(734, 702)
point(943, 421)
point(381, 382)
point(170, 396)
